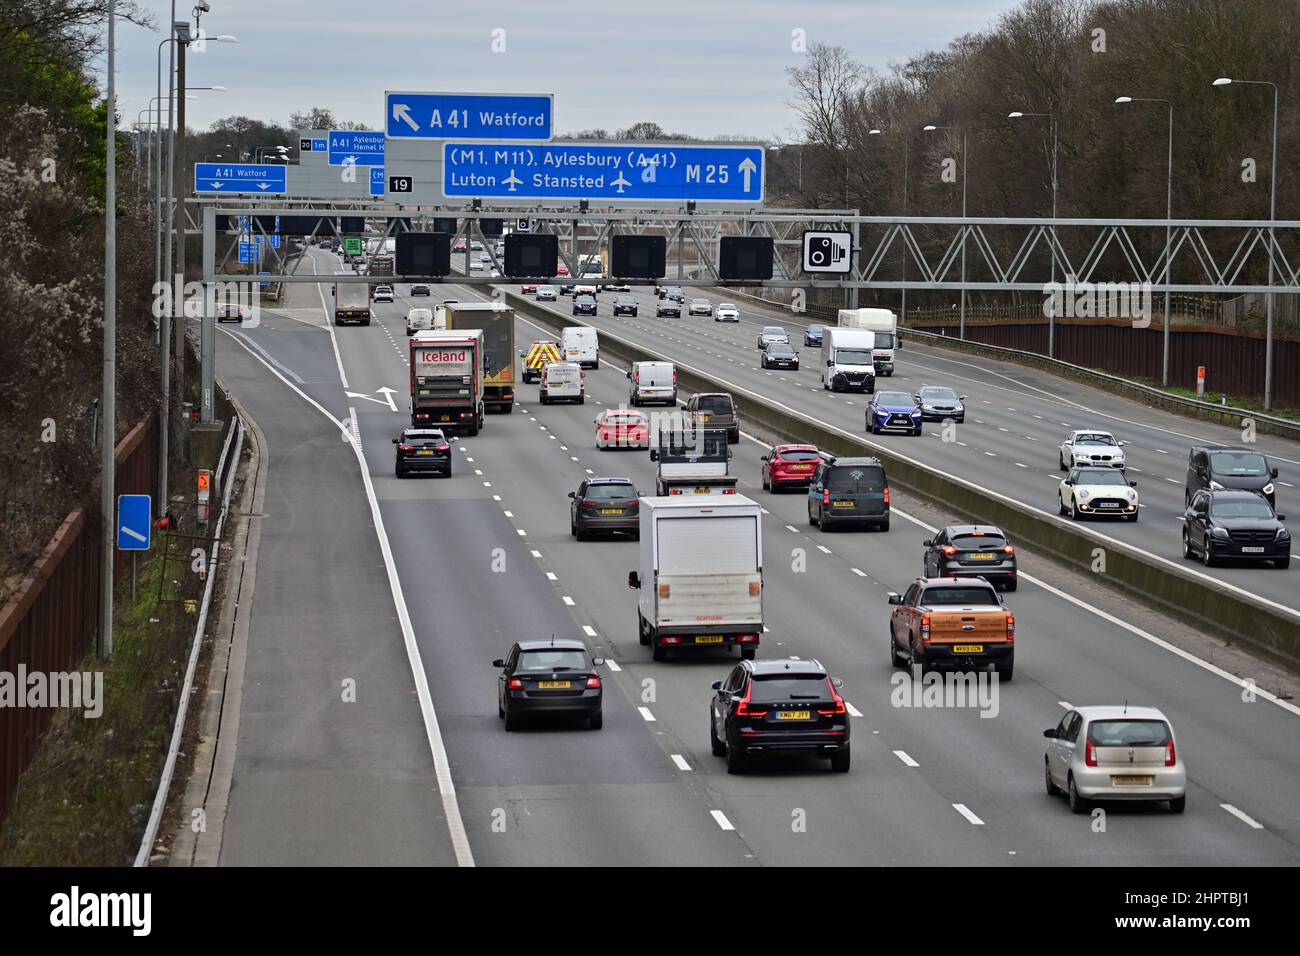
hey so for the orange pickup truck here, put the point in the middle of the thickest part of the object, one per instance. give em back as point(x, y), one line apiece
point(952, 622)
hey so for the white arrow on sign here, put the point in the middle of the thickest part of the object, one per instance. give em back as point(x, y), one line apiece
point(512, 181)
point(748, 168)
point(386, 400)
point(403, 112)
point(268, 186)
point(620, 182)
point(215, 185)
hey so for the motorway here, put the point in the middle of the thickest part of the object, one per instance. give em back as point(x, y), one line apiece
point(486, 558)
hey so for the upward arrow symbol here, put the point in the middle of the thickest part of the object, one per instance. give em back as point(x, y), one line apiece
point(748, 168)
point(403, 112)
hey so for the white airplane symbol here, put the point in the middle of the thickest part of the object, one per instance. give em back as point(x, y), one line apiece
point(621, 182)
point(512, 181)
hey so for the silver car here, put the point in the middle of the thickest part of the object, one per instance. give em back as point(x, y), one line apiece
point(546, 293)
point(770, 334)
point(1114, 753)
point(700, 307)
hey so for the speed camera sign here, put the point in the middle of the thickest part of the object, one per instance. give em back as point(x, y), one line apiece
point(827, 251)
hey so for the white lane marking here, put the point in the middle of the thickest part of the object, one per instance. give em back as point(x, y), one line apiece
point(487, 484)
point(470, 460)
point(535, 554)
point(791, 527)
point(508, 514)
point(859, 572)
point(612, 664)
point(1066, 704)
point(680, 761)
point(853, 711)
point(823, 549)
point(567, 600)
point(1250, 822)
point(550, 576)
point(990, 454)
point(496, 497)
point(1021, 464)
point(329, 327)
point(721, 819)
point(588, 630)
point(645, 712)
point(522, 532)
point(589, 471)
point(573, 457)
point(1161, 451)
point(441, 763)
point(965, 812)
point(907, 761)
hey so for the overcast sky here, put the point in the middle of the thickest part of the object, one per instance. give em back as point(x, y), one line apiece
point(703, 67)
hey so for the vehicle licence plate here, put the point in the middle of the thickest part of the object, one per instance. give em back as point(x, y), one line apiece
point(1131, 781)
point(611, 511)
point(982, 556)
point(968, 649)
point(704, 418)
point(425, 452)
point(554, 684)
point(1109, 504)
point(708, 638)
point(793, 715)
point(444, 418)
point(1252, 550)
point(842, 504)
point(703, 490)
point(801, 467)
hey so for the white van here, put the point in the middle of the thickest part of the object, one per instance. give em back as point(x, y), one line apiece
point(653, 382)
point(562, 382)
point(419, 320)
point(847, 360)
point(581, 344)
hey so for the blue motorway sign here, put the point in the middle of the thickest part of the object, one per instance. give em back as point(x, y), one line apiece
point(376, 180)
point(134, 522)
point(250, 250)
point(637, 172)
point(356, 147)
point(468, 115)
point(319, 146)
point(239, 178)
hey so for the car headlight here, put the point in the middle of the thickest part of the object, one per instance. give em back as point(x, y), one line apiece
point(1268, 488)
point(1283, 534)
point(1220, 533)
point(1215, 486)
point(916, 414)
point(1083, 495)
point(1132, 495)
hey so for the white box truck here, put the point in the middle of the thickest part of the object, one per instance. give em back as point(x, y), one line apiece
point(701, 577)
point(847, 360)
point(884, 323)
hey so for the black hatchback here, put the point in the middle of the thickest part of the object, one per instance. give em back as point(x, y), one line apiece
point(423, 451)
point(971, 551)
point(549, 677)
point(783, 706)
point(849, 490)
point(625, 305)
point(1237, 526)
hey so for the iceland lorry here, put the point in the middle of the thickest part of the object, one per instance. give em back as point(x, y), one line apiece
point(447, 379)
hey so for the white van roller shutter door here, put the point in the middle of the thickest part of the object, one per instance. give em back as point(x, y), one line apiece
point(720, 545)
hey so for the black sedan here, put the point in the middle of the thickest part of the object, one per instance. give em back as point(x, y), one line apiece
point(780, 355)
point(605, 504)
point(420, 289)
point(668, 307)
point(1237, 526)
point(813, 335)
point(971, 551)
point(584, 305)
point(786, 706)
point(423, 451)
point(549, 677)
point(625, 305)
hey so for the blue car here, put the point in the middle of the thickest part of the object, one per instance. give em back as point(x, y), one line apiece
point(894, 412)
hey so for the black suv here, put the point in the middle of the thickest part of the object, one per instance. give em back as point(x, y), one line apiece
point(549, 677)
point(786, 706)
point(423, 451)
point(1237, 525)
point(971, 551)
point(625, 305)
point(584, 305)
point(1232, 468)
point(849, 490)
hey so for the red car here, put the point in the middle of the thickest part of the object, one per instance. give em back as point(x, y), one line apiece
point(787, 466)
point(622, 428)
point(561, 269)
point(529, 288)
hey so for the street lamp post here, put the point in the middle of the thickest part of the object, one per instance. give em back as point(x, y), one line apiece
point(1169, 216)
point(108, 400)
point(903, 305)
point(1272, 217)
point(1051, 315)
point(931, 129)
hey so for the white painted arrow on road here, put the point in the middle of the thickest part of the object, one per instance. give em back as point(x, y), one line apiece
point(388, 394)
point(748, 168)
point(403, 112)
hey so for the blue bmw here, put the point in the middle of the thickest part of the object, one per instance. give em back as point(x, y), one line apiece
point(892, 412)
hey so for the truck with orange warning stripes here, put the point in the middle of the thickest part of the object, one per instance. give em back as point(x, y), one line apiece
point(538, 355)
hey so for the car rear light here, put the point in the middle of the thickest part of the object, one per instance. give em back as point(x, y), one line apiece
point(1171, 755)
point(665, 590)
point(674, 376)
point(886, 495)
point(1007, 549)
point(728, 491)
point(743, 709)
point(670, 640)
point(925, 629)
point(1090, 754)
point(674, 491)
point(406, 448)
point(442, 448)
point(839, 702)
point(515, 684)
point(593, 682)
point(826, 497)
point(747, 638)
point(949, 550)
point(1011, 628)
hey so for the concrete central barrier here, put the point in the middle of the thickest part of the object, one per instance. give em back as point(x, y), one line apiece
point(1163, 584)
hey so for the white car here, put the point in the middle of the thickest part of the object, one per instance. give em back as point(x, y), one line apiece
point(1087, 446)
point(383, 293)
point(1114, 753)
point(726, 312)
point(770, 334)
point(1097, 490)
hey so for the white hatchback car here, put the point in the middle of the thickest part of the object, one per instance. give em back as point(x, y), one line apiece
point(1114, 753)
point(726, 312)
point(1087, 446)
point(1097, 491)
